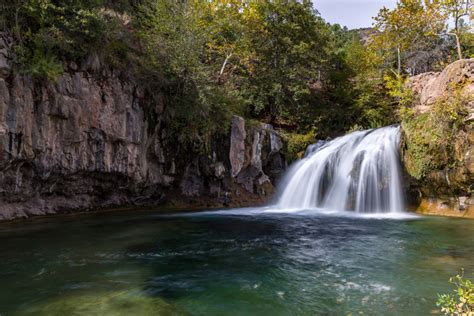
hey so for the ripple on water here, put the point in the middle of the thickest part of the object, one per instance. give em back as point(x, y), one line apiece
point(214, 264)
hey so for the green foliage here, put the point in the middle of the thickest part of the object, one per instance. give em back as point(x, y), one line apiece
point(373, 105)
point(415, 36)
point(458, 10)
point(40, 65)
point(431, 136)
point(275, 61)
point(48, 33)
point(412, 27)
point(176, 39)
point(467, 42)
point(297, 143)
point(397, 88)
point(462, 303)
point(356, 85)
point(285, 42)
point(221, 56)
point(193, 120)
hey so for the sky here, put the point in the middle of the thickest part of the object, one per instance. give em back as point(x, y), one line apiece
point(351, 13)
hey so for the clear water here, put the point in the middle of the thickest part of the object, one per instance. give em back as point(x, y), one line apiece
point(241, 262)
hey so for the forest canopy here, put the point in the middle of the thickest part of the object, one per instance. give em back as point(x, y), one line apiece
point(275, 61)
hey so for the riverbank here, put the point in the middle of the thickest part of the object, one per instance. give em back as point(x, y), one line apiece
point(442, 208)
point(176, 206)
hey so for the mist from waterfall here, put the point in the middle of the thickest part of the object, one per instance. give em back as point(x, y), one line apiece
point(357, 172)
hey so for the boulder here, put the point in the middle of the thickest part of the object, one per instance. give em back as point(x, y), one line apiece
point(429, 87)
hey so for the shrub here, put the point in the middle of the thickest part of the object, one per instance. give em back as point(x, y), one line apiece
point(43, 66)
point(373, 105)
point(462, 303)
point(47, 33)
point(297, 143)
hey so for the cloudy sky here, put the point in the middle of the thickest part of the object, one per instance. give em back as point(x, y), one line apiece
point(351, 13)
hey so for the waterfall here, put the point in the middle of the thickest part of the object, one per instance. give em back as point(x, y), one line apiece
point(357, 172)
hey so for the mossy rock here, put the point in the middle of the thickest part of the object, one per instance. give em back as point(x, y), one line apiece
point(436, 147)
point(104, 304)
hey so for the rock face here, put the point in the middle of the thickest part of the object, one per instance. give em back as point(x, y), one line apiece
point(262, 161)
point(4, 55)
point(94, 139)
point(429, 87)
point(447, 190)
point(237, 145)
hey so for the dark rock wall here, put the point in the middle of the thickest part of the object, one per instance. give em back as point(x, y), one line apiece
point(94, 140)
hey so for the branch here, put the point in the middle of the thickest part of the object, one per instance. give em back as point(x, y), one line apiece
point(227, 57)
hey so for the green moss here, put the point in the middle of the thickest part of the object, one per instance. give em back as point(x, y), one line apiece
point(430, 137)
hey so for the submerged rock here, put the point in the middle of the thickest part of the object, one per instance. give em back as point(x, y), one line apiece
point(113, 303)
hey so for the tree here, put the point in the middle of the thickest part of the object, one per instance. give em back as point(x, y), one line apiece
point(457, 10)
point(286, 42)
point(411, 28)
point(224, 23)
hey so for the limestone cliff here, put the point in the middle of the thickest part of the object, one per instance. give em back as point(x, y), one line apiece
point(94, 139)
point(438, 144)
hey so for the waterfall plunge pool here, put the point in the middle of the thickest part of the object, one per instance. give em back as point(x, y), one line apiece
point(234, 262)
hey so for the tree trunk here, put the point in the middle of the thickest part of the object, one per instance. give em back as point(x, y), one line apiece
point(458, 45)
point(399, 59)
point(456, 32)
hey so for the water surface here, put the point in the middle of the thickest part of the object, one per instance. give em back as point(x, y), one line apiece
point(244, 262)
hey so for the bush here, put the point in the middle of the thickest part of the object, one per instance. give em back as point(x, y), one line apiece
point(297, 143)
point(47, 33)
point(462, 303)
point(373, 104)
point(43, 66)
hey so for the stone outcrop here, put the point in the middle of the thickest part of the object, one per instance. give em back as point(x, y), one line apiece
point(262, 161)
point(448, 190)
point(237, 145)
point(93, 139)
point(429, 87)
point(5, 67)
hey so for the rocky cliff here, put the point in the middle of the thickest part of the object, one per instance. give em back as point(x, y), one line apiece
point(438, 141)
point(94, 139)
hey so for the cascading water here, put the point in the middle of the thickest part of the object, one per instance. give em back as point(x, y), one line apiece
point(357, 172)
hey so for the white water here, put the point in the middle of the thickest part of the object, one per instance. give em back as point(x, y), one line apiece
point(357, 172)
